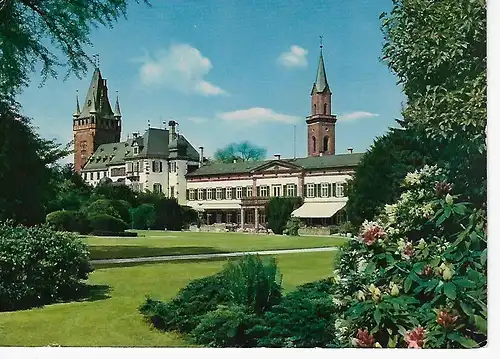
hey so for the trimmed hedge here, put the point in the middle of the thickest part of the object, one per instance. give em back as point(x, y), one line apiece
point(114, 234)
point(106, 223)
point(39, 265)
point(70, 221)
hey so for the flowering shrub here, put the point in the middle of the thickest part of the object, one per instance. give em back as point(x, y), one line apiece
point(416, 277)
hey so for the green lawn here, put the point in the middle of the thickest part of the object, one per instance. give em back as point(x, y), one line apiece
point(111, 317)
point(161, 243)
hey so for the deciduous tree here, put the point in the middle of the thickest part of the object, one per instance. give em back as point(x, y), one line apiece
point(240, 152)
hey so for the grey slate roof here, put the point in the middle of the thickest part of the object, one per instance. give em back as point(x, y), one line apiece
point(97, 98)
point(153, 144)
point(307, 163)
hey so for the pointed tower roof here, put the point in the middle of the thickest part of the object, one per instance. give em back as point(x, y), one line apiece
point(321, 84)
point(117, 111)
point(77, 111)
point(97, 97)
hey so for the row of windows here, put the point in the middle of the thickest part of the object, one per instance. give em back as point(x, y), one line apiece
point(157, 167)
point(325, 143)
point(311, 190)
point(98, 175)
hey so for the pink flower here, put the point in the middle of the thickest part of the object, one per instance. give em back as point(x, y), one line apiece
point(408, 251)
point(415, 338)
point(371, 232)
point(364, 339)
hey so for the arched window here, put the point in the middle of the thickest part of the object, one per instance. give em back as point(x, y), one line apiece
point(325, 106)
point(314, 143)
point(325, 144)
point(314, 109)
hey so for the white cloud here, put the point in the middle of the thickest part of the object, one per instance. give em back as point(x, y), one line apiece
point(296, 57)
point(356, 115)
point(181, 67)
point(256, 115)
point(197, 119)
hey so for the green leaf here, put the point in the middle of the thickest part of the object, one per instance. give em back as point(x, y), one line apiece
point(481, 324)
point(407, 284)
point(459, 209)
point(377, 315)
point(465, 283)
point(465, 342)
point(467, 310)
point(450, 290)
point(441, 219)
point(484, 256)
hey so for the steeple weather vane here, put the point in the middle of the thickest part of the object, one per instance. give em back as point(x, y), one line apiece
point(320, 41)
point(96, 60)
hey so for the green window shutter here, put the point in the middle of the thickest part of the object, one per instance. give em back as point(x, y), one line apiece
point(317, 190)
point(233, 192)
point(268, 191)
point(244, 192)
point(214, 193)
point(258, 192)
point(223, 196)
point(204, 194)
point(187, 194)
point(295, 190)
point(304, 191)
point(329, 190)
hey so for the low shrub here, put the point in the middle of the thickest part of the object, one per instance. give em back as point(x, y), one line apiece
point(348, 227)
point(114, 234)
point(40, 266)
point(106, 223)
point(123, 209)
point(292, 226)
point(101, 207)
point(143, 217)
point(184, 311)
point(70, 221)
point(253, 282)
point(227, 326)
point(304, 319)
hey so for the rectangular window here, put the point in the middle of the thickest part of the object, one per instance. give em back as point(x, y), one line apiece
point(116, 172)
point(264, 191)
point(200, 194)
point(324, 190)
point(209, 194)
point(136, 150)
point(276, 190)
point(85, 176)
point(239, 192)
point(218, 217)
point(192, 195)
point(172, 167)
point(339, 189)
point(290, 190)
point(157, 188)
point(91, 176)
point(157, 166)
point(172, 191)
point(228, 192)
point(218, 194)
point(249, 191)
point(98, 175)
point(310, 190)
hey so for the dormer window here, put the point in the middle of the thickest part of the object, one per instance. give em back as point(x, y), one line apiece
point(136, 150)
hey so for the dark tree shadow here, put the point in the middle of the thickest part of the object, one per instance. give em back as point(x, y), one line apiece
point(94, 293)
point(115, 252)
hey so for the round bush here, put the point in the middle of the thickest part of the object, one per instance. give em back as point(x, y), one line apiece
point(39, 266)
point(122, 208)
point(70, 221)
point(105, 222)
point(101, 206)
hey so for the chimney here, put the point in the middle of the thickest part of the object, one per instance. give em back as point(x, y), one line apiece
point(234, 161)
point(277, 156)
point(201, 156)
point(349, 150)
point(171, 124)
point(321, 154)
point(135, 135)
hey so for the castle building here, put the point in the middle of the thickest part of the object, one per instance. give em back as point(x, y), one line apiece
point(238, 192)
point(157, 161)
point(162, 160)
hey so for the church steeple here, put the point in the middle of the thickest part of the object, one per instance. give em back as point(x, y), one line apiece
point(118, 113)
point(77, 111)
point(321, 122)
point(321, 84)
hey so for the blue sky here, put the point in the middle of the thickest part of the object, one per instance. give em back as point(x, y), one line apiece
point(230, 70)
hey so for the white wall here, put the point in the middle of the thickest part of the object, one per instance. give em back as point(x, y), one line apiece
point(218, 184)
point(326, 178)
